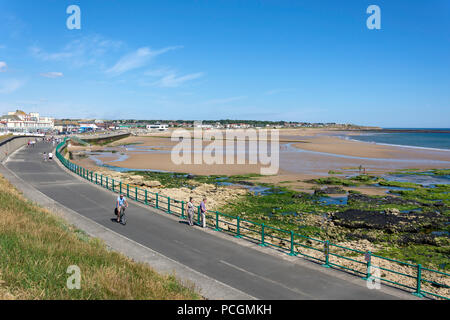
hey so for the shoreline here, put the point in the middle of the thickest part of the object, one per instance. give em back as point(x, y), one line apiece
point(305, 152)
point(397, 145)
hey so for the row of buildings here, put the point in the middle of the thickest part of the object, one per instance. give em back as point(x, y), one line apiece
point(19, 121)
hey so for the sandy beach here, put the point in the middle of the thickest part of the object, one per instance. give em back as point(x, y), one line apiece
point(316, 153)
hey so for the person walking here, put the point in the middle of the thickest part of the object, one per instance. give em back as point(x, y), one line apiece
point(190, 211)
point(203, 212)
point(121, 205)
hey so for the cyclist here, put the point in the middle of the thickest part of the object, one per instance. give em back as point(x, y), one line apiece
point(121, 205)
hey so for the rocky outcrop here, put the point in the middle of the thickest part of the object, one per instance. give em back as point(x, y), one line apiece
point(357, 197)
point(330, 190)
point(389, 220)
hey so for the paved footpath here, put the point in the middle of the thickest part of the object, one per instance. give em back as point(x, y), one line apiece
point(259, 273)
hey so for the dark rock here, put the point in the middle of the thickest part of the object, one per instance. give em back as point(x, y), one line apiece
point(245, 183)
point(390, 223)
point(355, 197)
point(330, 190)
point(419, 238)
point(303, 195)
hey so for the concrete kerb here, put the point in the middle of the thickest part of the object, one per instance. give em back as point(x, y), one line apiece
point(209, 288)
point(299, 260)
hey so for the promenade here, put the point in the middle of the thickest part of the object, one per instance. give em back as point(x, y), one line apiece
point(256, 273)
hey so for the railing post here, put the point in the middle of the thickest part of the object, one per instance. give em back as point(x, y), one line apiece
point(128, 191)
point(120, 187)
point(182, 209)
point(113, 182)
point(136, 193)
point(107, 182)
point(96, 181)
point(168, 204)
point(157, 201)
point(418, 292)
point(101, 180)
point(326, 248)
point(368, 258)
point(91, 176)
point(217, 222)
point(292, 253)
point(198, 215)
point(262, 244)
point(146, 196)
point(238, 228)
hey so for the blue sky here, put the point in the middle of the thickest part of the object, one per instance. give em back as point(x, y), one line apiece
point(298, 60)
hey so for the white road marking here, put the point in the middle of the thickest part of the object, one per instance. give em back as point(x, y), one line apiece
point(188, 247)
point(266, 279)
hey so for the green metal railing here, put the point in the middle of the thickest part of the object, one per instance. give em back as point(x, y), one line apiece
point(328, 254)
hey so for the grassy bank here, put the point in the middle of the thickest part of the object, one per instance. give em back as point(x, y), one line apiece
point(37, 248)
point(5, 137)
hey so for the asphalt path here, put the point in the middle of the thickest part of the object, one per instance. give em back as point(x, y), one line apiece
point(258, 273)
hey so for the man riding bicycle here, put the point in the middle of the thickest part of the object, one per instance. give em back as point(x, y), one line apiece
point(121, 205)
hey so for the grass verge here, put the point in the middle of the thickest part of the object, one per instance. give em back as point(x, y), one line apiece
point(37, 247)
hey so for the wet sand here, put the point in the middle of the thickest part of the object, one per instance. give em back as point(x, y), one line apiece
point(317, 152)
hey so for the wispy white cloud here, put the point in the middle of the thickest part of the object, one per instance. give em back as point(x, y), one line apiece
point(225, 100)
point(10, 85)
point(137, 59)
point(52, 74)
point(172, 80)
point(169, 78)
point(160, 72)
point(55, 56)
point(79, 52)
point(3, 66)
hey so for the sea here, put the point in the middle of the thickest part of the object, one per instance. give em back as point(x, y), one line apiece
point(412, 137)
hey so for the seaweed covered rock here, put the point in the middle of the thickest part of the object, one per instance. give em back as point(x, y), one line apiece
point(329, 190)
point(358, 197)
point(391, 222)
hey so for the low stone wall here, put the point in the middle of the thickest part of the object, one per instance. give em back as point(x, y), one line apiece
point(10, 145)
point(103, 138)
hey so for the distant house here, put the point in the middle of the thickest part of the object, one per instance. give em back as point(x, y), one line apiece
point(158, 127)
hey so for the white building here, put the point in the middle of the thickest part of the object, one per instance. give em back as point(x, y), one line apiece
point(19, 121)
point(158, 127)
point(204, 126)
